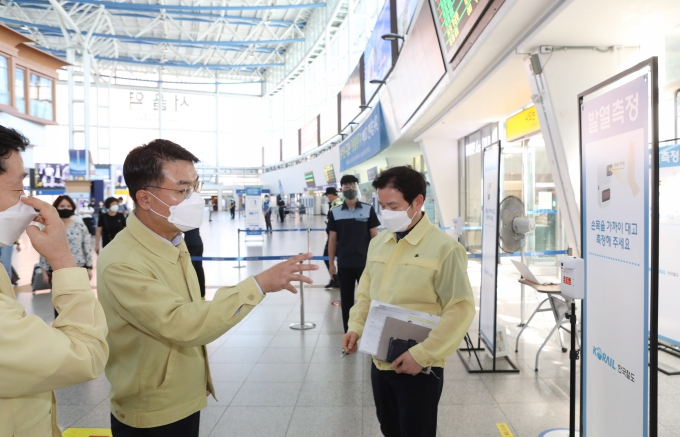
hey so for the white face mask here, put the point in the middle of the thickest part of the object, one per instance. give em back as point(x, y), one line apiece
point(13, 222)
point(188, 214)
point(397, 221)
point(114, 208)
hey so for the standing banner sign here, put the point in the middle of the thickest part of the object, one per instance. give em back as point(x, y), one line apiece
point(617, 124)
point(254, 208)
point(487, 291)
point(669, 235)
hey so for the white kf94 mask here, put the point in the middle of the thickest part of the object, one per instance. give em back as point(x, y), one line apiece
point(188, 214)
point(397, 221)
point(13, 221)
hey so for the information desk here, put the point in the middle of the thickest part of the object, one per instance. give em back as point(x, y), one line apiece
point(559, 308)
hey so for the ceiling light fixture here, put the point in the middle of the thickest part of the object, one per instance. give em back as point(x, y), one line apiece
point(392, 37)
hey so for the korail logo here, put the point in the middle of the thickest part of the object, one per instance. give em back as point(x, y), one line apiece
point(606, 359)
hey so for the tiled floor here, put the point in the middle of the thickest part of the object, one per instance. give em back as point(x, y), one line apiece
point(274, 381)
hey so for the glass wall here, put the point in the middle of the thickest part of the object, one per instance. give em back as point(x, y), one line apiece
point(20, 90)
point(526, 174)
point(470, 169)
point(40, 92)
point(4, 80)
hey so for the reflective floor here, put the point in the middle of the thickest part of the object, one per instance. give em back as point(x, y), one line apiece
point(274, 381)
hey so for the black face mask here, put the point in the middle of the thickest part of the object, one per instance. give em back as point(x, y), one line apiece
point(65, 213)
point(350, 194)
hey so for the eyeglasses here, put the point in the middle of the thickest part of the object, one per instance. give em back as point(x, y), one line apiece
point(185, 192)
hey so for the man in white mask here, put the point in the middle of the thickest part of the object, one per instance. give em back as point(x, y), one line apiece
point(158, 324)
point(34, 357)
point(415, 265)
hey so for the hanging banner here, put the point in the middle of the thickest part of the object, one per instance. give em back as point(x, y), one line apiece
point(487, 290)
point(367, 141)
point(669, 235)
point(254, 208)
point(615, 141)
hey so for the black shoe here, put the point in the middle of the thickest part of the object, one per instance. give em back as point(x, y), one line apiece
point(332, 284)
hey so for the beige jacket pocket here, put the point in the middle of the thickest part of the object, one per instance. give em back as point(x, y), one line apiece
point(168, 368)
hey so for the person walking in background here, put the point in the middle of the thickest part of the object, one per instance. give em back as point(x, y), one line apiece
point(333, 201)
point(110, 223)
point(86, 212)
point(232, 208)
point(282, 208)
point(194, 244)
point(78, 239)
point(122, 207)
point(267, 210)
point(350, 229)
point(98, 209)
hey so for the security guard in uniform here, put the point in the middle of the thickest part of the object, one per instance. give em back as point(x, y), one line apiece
point(333, 201)
point(351, 227)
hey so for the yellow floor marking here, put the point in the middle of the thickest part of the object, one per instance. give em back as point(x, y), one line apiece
point(503, 428)
point(87, 432)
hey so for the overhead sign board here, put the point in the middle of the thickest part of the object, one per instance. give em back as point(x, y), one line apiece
point(522, 124)
point(368, 140)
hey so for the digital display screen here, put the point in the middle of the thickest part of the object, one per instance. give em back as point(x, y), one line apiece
point(309, 179)
point(351, 98)
point(372, 173)
point(328, 120)
point(309, 135)
point(378, 55)
point(51, 176)
point(455, 21)
point(329, 172)
point(420, 57)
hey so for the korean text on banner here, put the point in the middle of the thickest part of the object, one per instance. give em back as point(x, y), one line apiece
point(254, 208)
point(487, 294)
point(368, 140)
point(669, 235)
point(614, 135)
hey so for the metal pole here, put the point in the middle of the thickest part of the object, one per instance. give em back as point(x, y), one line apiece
point(71, 59)
point(302, 326)
point(573, 356)
point(239, 266)
point(522, 304)
point(86, 110)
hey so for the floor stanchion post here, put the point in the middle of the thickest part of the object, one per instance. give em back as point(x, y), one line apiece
point(302, 326)
point(238, 245)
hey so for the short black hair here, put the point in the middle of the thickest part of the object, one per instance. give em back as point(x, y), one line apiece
point(109, 201)
point(349, 179)
point(403, 179)
point(10, 141)
point(144, 164)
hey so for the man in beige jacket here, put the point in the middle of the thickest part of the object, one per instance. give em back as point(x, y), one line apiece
point(158, 324)
point(34, 358)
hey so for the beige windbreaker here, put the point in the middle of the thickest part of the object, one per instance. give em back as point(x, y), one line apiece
point(36, 359)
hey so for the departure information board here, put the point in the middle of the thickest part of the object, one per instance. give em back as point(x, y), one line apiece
point(455, 20)
point(329, 172)
point(309, 179)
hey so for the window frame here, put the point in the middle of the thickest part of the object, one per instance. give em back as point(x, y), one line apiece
point(53, 93)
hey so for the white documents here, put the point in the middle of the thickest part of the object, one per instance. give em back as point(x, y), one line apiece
point(375, 322)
